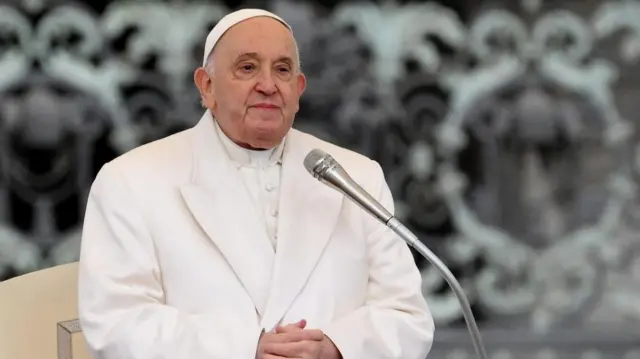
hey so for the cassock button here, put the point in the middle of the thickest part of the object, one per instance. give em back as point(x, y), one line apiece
point(270, 187)
point(274, 212)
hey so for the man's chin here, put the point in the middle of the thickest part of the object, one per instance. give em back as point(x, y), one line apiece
point(268, 137)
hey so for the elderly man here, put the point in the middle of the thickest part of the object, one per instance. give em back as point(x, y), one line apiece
point(215, 243)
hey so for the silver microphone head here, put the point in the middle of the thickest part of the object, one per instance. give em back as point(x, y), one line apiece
point(323, 167)
point(317, 161)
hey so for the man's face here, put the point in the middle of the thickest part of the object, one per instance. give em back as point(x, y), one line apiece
point(255, 89)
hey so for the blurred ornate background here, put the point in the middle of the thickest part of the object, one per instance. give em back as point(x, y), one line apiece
point(506, 130)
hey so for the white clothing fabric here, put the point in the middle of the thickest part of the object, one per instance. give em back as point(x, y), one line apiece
point(174, 262)
point(260, 172)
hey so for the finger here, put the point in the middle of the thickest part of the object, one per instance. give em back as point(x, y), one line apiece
point(271, 356)
point(287, 337)
point(292, 350)
point(301, 324)
point(313, 334)
point(291, 327)
point(297, 336)
point(287, 329)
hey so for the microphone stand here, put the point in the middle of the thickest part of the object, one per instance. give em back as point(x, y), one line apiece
point(324, 168)
point(414, 242)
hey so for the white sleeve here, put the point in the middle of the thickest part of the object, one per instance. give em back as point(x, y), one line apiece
point(120, 293)
point(395, 321)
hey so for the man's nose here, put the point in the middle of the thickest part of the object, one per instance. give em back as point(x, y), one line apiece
point(266, 84)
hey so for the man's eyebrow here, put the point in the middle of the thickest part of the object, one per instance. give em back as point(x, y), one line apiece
point(254, 55)
point(245, 55)
point(286, 59)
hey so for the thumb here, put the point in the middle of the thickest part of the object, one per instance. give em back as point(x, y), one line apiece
point(301, 324)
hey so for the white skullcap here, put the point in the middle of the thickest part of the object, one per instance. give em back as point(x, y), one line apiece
point(230, 20)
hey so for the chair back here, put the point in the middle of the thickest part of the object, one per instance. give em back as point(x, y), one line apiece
point(39, 315)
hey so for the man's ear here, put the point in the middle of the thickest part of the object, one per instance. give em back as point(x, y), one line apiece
point(302, 83)
point(205, 86)
point(301, 86)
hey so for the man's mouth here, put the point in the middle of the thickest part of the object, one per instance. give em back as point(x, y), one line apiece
point(266, 106)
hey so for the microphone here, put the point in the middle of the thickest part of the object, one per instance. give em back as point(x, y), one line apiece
point(327, 170)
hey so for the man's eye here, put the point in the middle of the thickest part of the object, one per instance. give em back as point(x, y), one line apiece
point(283, 69)
point(247, 67)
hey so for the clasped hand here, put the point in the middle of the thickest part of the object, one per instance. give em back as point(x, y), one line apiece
point(294, 341)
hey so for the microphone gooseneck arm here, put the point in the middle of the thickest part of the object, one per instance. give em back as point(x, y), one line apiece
point(404, 233)
point(324, 168)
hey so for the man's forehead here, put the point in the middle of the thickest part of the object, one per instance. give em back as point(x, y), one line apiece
point(237, 19)
point(250, 37)
point(257, 28)
point(260, 21)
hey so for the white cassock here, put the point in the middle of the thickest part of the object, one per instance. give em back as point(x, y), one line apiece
point(188, 251)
